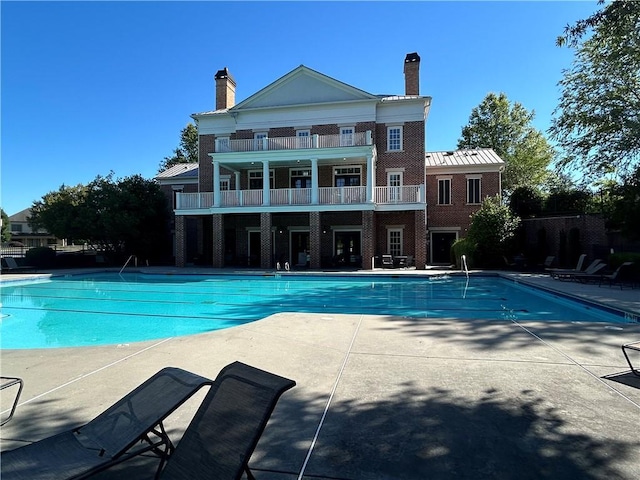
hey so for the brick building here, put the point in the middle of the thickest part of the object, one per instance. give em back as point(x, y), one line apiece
point(317, 173)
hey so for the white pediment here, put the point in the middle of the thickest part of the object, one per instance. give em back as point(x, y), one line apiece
point(303, 86)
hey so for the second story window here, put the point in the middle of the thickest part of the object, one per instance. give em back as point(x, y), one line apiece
point(347, 136)
point(394, 139)
point(473, 190)
point(303, 138)
point(256, 177)
point(444, 191)
point(347, 176)
point(258, 140)
point(300, 178)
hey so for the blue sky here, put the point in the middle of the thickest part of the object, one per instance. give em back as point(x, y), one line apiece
point(93, 87)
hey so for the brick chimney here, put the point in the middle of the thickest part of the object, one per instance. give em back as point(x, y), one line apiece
point(412, 74)
point(225, 89)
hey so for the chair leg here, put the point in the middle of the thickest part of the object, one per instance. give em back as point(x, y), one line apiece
point(626, 356)
point(249, 474)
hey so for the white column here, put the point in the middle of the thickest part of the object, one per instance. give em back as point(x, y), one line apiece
point(314, 181)
point(371, 178)
point(237, 174)
point(216, 183)
point(266, 200)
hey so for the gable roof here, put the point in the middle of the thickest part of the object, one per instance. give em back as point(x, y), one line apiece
point(300, 86)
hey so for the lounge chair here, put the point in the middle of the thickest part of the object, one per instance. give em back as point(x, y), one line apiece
point(631, 346)
point(132, 426)
point(556, 272)
point(12, 266)
point(621, 276)
point(226, 428)
point(590, 273)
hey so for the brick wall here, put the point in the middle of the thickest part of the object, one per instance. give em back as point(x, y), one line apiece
point(207, 146)
point(411, 158)
point(265, 237)
point(180, 241)
point(217, 231)
point(458, 212)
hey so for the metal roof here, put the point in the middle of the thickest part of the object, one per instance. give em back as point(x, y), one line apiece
point(180, 170)
point(462, 158)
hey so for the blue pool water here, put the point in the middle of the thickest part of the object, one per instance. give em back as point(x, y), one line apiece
point(115, 309)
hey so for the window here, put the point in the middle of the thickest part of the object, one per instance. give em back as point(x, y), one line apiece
point(473, 190)
point(394, 181)
point(176, 191)
point(347, 176)
point(258, 141)
point(224, 144)
point(347, 136)
point(444, 191)
point(225, 183)
point(300, 178)
point(255, 179)
point(17, 227)
point(394, 241)
point(303, 138)
point(394, 139)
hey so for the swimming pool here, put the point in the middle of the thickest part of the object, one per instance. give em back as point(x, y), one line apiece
point(107, 309)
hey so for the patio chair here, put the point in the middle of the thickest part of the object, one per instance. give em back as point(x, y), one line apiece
point(226, 428)
point(556, 272)
point(590, 273)
point(132, 426)
point(387, 261)
point(12, 266)
point(631, 346)
point(621, 276)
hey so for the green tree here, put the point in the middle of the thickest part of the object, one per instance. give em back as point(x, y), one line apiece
point(526, 201)
point(59, 213)
point(129, 216)
point(506, 128)
point(186, 152)
point(597, 120)
point(492, 230)
point(5, 234)
point(625, 209)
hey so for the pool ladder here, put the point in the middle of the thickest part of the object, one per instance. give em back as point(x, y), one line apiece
point(127, 263)
point(463, 265)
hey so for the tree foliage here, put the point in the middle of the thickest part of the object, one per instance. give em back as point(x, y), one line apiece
point(526, 201)
point(624, 211)
point(186, 152)
point(506, 128)
point(128, 216)
point(5, 234)
point(597, 120)
point(493, 228)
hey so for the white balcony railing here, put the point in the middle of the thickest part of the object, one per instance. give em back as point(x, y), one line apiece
point(294, 143)
point(302, 196)
point(404, 194)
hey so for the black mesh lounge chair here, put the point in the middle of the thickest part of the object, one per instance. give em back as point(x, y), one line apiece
point(132, 426)
point(226, 428)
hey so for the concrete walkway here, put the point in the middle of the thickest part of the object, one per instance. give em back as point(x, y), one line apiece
point(381, 397)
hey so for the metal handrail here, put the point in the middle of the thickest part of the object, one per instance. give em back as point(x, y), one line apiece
point(126, 263)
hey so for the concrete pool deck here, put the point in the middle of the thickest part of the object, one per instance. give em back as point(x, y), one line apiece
point(382, 397)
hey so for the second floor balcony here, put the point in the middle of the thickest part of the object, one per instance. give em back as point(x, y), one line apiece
point(357, 139)
point(382, 198)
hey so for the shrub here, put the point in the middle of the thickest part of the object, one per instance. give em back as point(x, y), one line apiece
point(41, 257)
point(492, 230)
point(463, 246)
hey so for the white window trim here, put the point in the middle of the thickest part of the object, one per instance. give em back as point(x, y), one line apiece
point(394, 127)
point(395, 229)
point(449, 178)
point(474, 177)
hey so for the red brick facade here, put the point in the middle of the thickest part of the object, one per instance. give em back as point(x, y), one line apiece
point(331, 235)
